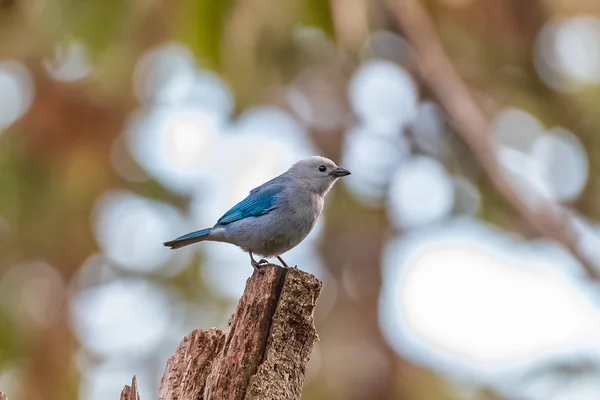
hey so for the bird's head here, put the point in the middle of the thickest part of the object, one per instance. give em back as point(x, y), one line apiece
point(318, 173)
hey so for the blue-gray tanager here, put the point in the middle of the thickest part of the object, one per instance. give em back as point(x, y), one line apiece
point(277, 215)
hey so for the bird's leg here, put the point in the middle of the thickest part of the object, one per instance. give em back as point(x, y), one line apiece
point(257, 264)
point(282, 262)
point(254, 263)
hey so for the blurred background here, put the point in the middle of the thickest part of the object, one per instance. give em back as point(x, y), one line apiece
point(127, 123)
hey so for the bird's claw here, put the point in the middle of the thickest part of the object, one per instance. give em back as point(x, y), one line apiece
point(262, 262)
point(256, 267)
point(258, 264)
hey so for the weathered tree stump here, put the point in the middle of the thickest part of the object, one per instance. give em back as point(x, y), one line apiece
point(264, 353)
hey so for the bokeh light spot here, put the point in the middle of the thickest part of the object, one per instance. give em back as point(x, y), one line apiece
point(175, 146)
point(164, 74)
point(564, 162)
point(383, 94)
point(373, 159)
point(543, 164)
point(124, 317)
point(16, 92)
point(421, 192)
point(70, 62)
point(517, 129)
point(130, 230)
point(428, 129)
point(464, 298)
point(567, 53)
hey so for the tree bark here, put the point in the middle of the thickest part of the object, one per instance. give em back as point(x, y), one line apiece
point(264, 353)
point(187, 371)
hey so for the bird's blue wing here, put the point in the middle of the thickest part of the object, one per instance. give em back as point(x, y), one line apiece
point(260, 201)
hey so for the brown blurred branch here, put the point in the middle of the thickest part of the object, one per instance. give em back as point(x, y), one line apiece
point(264, 353)
point(549, 218)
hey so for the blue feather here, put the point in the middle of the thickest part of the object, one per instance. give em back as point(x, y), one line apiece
point(195, 234)
point(190, 238)
point(260, 201)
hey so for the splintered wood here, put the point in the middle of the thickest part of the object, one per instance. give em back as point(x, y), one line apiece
point(130, 392)
point(264, 353)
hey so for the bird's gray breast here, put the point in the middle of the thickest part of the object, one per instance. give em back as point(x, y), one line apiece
point(281, 229)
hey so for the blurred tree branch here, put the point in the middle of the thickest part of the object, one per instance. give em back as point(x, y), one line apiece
point(549, 218)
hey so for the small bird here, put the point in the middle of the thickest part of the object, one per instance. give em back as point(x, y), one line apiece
point(277, 215)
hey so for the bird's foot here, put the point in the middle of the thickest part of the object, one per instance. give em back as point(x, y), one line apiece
point(258, 264)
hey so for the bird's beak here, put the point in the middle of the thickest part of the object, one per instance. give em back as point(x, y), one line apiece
point(339, 172)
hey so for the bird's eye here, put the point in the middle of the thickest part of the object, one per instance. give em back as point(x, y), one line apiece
point(322, 168)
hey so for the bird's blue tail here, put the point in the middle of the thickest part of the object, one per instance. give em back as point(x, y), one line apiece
point(190, 238)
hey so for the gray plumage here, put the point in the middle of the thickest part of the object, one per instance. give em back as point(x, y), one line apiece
point(276, 216)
